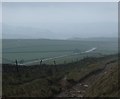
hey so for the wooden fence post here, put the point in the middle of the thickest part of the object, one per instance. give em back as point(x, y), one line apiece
point(55, 66)
point(16, 62)
point(54, 62)
point(40, 62)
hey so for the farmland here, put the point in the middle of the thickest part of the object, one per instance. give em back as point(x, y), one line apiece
point(26, 50)
point(78, 63)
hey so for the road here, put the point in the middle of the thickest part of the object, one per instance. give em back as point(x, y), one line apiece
point(43, 60)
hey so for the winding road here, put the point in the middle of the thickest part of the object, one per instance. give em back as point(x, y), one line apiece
point(88, 51)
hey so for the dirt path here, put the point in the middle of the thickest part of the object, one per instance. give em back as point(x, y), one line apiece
point(80, 89)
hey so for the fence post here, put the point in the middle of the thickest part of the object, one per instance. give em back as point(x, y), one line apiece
point(55, 66)
point(40, 62)
point(54, 62)
point(16, 62)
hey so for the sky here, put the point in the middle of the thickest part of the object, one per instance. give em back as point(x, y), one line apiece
point(59, 20)
point(60, 0)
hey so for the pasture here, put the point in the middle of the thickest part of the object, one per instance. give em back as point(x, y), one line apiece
point(33, 50)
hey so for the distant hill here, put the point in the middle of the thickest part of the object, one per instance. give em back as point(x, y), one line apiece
point(22, 32)
point(95, 39)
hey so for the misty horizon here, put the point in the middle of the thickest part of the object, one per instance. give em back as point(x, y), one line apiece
point(59, 20)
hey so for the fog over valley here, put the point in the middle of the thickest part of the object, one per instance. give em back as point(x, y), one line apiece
point(59, 20)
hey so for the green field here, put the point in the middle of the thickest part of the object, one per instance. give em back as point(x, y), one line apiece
point(27, 50)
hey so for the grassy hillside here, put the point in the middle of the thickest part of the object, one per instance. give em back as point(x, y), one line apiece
point(50, 80)
point(107, 84)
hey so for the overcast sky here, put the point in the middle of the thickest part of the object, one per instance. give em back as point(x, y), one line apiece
point(59, 20)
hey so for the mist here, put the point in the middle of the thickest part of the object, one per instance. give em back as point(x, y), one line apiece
point(59, 20)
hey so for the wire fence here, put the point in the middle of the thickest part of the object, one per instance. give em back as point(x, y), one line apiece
point(53, 60)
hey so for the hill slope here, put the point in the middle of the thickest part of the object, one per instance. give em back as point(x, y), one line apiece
point(100, 82)
point(90, 76)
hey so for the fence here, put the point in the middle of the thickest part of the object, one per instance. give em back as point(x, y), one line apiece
point(54, 60)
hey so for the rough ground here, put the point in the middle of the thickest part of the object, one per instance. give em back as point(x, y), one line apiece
point(80, 89)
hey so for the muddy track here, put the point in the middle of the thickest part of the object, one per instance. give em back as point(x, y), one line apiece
point(81, 87)
point(94, 72)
